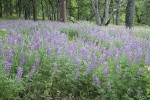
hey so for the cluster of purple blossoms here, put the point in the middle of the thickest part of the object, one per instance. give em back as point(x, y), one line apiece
point(34, 68)
point(96, 81)
point(105, 71)
point(19, 73)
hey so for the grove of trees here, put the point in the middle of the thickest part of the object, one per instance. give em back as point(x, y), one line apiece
point(102, 12)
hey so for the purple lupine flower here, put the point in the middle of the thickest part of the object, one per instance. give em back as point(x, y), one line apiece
point(96, 81)
point(130, 54)
point(49, 51)
point(9, 52)
point(36, 46)
point(34, 68)
point(19, 73)
point(1, 43)
point(90, 67)
point(118, 69)
point(58, 52)
point(77, 61)
point(139, 71)
point(106, 71)
point(1, 47)
point(55, 67)
point(19, 39)
point(8, 65)
point(133, 78)
point(109, 85)
point(22, 61)
point(102, 58)
point(147, 59)
point(117, 56)
point(77, 73)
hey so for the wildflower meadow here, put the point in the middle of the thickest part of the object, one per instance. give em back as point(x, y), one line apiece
point(46, 60)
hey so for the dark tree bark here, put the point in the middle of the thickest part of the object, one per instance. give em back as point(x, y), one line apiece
point(34, 9)
point(19, 7)
point(78, 3)
point(1, 9)
point(52, 8)
point(25, 15)
point(58, 10)
point(129, 20)
point(43, 16)
point(118, 12)
point(26, 6)
point(11, 7)
point(63, 17)
point(6, 7)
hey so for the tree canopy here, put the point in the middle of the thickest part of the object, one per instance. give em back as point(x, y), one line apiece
point(102, 12)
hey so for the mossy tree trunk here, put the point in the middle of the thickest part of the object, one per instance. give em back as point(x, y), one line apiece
point(129, 20)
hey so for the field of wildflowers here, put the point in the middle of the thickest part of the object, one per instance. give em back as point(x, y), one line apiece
point(46, 60)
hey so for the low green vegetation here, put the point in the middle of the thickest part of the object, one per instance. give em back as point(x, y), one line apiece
point(73, 63)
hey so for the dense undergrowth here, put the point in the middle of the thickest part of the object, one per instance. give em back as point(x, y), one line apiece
point(51, 60)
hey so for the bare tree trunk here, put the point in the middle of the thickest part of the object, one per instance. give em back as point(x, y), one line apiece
point(106, 12)
point(11, 7)
point(34, 8)
point(78, 3)
point(26, 6)
point(118, 12)
point(43, 17)
point(1, 9)
point(130, 13)
point(6, 7)
point(63, 17)
point(95, 7)
point(58, 10)
point(19, 7)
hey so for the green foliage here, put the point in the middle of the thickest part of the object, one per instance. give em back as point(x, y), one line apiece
point(72, 33)
point(9, 87)
point(3, 33)
point(147, 77)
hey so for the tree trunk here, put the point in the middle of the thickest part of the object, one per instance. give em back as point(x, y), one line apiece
point(6, 7)
point(1, 11)
point(25, 14)
point(78, 3)
point(43, 17)
point(95, 7)
point(52, 8)
point(63, 17)
point(19, 7)
point(11, 7)
point(118, 12)
point(130, 13)
point(27, 10)
point(58, 10)
point(34, 9)
point(106, 12)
